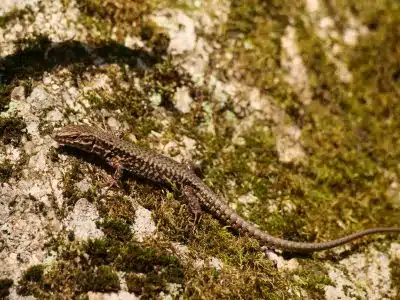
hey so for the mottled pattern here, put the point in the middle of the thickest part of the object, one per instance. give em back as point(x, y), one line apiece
point(154, 166)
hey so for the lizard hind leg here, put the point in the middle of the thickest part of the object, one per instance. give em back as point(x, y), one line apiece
point(116, 179)
point(193, 203)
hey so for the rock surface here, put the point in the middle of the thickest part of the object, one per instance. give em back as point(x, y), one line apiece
point(289, 111)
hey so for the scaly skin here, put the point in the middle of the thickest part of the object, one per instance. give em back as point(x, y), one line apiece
point(156, 167)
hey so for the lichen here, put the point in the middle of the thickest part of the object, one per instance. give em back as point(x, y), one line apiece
point(395, 276)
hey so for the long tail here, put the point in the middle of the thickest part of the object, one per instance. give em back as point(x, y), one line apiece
point(219, 207)
point(247, 227)
point(312, 247)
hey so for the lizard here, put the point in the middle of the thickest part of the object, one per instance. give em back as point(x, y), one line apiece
point(146, 163)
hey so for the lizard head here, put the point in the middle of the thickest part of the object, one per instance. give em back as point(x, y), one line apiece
point(78, 136)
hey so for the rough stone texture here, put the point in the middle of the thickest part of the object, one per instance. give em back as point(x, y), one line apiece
point(368, 277)
point(8, 5)
point(180, 29)
point(82, 220)
point(295, 68)
point(183, 100)
point(112, 296)
point(144, 225)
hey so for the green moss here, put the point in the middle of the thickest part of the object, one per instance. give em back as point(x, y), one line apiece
point(162, 79)
point(92, 266)
point(159, 269)
point(12, 170)
point(255, 29)
point(5, 92)
point(231, 282)
point(5, 285)
point(313, 278)
point(102, 279)
point(344, 131)
point(118, 230)
point(343, 174)
point(6, 170)
point(116, 11)
point(148, 286)
point(11, 130)
point(102, 251)
point(172, 219)
point(130, 257)
point(32, 281)
point(137, 258)
point(342, 138)
point(240, 255)
point(118, 208)
point(116, 19)
point(34, 273)
point(71, 193)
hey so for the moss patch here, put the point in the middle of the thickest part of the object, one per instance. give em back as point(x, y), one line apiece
point(32, 281)
point(116, 11)
point(5, 92)
point(5, 171)
point(11, 130)
point(102, 279)
point(34, 273)
point(122, 18)
point(118, 229)
point(5, 285)
point(99, 260)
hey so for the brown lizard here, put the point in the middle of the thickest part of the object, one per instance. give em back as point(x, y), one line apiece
point(151, 165)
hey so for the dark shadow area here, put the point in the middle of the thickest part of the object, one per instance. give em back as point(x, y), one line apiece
point(288, 255)
point(329, 255)
point(39, 55)
point(36, 56)
point(87, 157)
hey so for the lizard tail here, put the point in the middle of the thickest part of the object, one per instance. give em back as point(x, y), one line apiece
point(220, 208)
point(301, 247)
point(312, 247)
